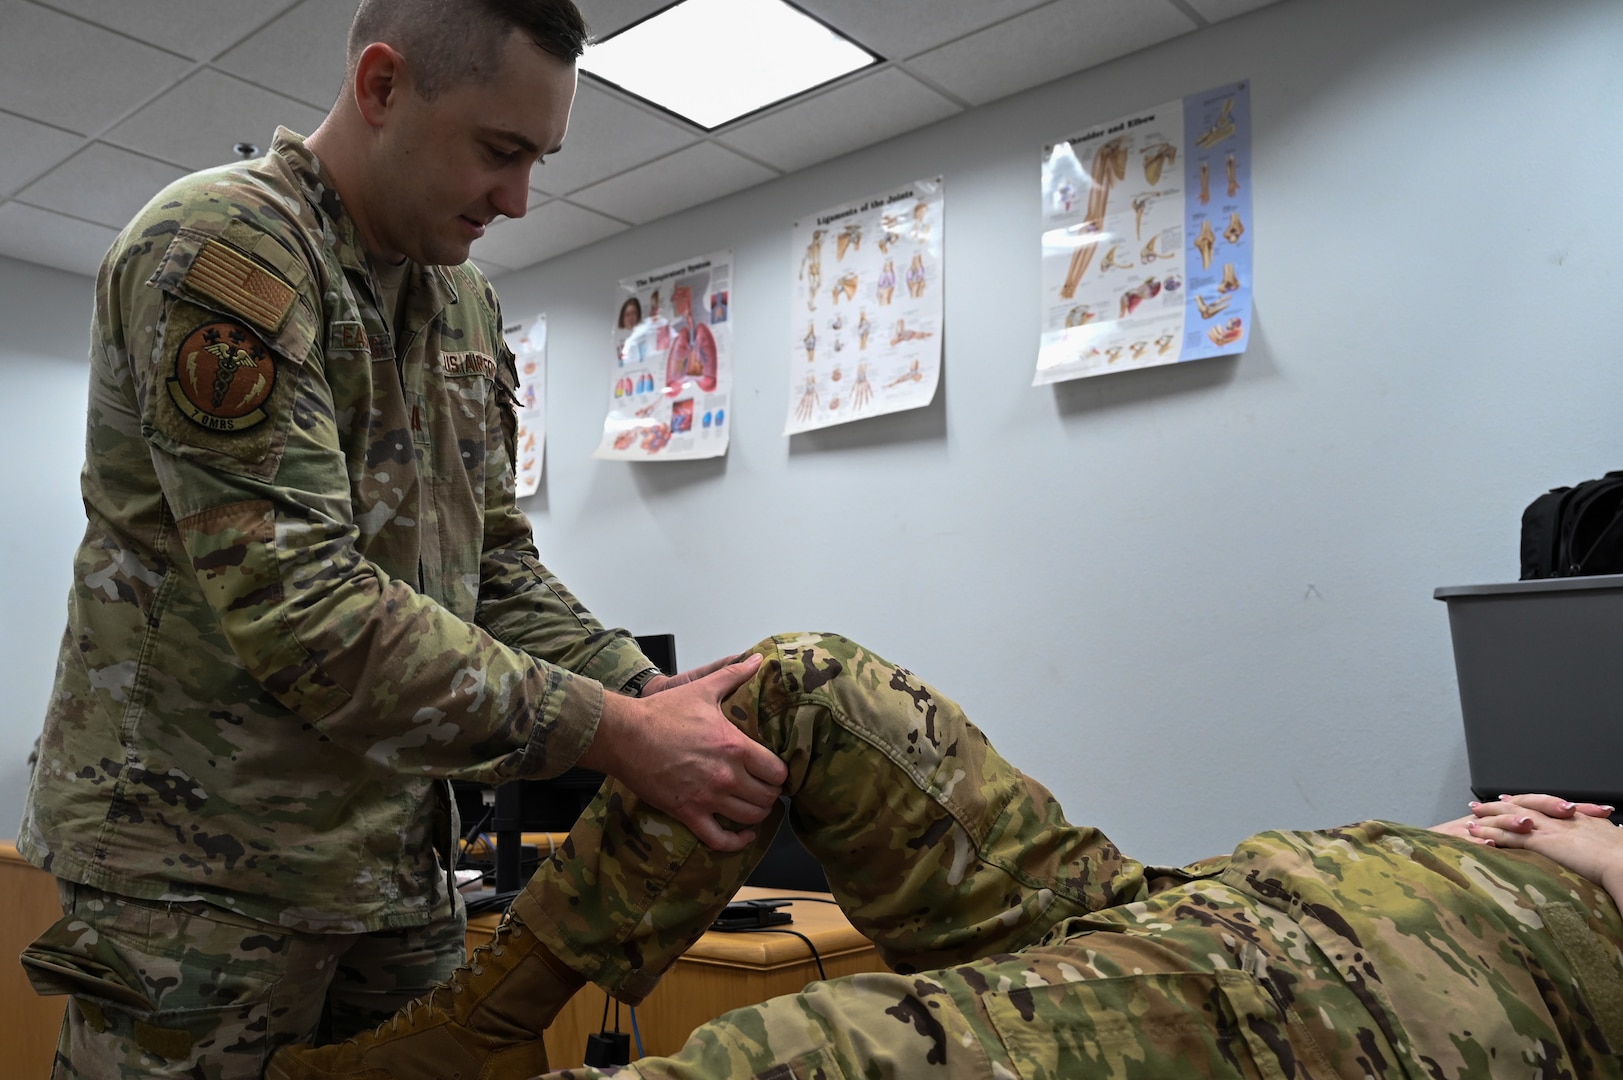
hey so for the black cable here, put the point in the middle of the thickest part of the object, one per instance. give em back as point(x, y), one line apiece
point(811, 899)
point(467, 838)
point(821, 974)
point(496, 901)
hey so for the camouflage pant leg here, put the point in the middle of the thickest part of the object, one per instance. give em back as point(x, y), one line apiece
point(380, 972)
point(1372, 951)
point(939, 850)
point(188, 990)
point(1188, 987)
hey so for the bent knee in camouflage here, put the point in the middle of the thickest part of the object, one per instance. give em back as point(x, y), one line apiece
point(938, 849)
point(1374, 950)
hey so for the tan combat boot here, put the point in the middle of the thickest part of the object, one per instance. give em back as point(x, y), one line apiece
point(484, 1024)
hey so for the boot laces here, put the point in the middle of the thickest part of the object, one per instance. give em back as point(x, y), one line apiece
point(457, 983)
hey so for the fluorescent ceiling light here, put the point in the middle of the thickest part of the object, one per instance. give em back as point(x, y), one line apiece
point(712, 61)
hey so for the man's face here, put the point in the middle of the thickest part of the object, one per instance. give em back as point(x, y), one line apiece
point(446, 167)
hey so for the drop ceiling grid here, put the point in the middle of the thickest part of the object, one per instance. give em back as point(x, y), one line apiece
point(101, 98)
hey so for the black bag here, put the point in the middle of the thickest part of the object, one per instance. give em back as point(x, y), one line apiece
point(1575, 531)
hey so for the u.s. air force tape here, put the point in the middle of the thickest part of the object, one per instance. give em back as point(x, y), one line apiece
point(222, 376)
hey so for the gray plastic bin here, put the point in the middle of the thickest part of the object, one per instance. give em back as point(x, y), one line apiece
point(1540, 666)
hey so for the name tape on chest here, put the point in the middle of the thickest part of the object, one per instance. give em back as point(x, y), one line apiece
point(468, 363)
point(349, 336)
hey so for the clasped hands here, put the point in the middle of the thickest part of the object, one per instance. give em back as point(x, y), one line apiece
point(1575, 834)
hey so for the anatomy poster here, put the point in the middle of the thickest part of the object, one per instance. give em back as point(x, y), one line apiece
point(671, 365)
point(865, 322)
point(1147, 239)
point(529, 344)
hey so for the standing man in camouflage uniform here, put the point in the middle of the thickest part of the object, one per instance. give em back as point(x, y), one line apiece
point(1025, 947)
point(306, 595)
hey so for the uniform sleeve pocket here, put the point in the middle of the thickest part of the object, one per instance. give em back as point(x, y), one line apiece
point(1192, 1024)
point(820, 1064)
point(231, 338)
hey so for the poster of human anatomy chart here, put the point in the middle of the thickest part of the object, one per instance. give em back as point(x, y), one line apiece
point(529, 344)
point(865, 321)
point(671, 363)
point(1147, 239)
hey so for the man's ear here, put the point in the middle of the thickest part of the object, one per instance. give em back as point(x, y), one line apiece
point(380, 75)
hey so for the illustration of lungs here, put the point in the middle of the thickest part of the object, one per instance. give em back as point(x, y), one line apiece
point(692, 358)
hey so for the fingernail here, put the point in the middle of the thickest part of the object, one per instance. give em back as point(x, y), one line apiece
point(1473, 805)
point(1470, 826)
point(1524, 822)
point(1569, 806)
point(1504, 798)
point(1489, 843)
point(1609, 809)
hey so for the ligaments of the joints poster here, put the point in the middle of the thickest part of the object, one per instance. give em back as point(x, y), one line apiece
point(670, 363)
point(865, 318)
point(1147, 238)
point(528, 340)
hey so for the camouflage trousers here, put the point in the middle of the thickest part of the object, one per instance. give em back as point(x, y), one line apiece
point(1025, 947)
point(189, 990)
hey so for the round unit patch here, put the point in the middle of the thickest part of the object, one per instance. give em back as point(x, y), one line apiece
point(223, 376)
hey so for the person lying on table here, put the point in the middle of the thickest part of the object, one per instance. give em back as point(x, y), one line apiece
point(1022, 946)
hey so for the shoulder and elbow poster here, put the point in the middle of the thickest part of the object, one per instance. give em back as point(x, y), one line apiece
point(671, 368)
point(865, 318)
point(1147, 239)
point(529, 344)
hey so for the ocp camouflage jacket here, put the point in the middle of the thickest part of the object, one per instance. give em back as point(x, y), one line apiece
point(305, 590)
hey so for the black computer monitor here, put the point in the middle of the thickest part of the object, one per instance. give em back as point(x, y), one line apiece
point(551, 805)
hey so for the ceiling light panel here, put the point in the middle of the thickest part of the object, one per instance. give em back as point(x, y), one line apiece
point(713, 61)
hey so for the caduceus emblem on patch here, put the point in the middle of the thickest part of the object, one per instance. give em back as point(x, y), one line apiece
point(224, 374)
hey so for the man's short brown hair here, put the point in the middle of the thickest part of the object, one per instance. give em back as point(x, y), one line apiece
point(446, 42)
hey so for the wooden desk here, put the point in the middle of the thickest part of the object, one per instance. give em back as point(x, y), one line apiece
point(28, 1023)
point(719, 973)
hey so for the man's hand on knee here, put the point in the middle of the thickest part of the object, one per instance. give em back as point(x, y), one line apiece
point(675, 749)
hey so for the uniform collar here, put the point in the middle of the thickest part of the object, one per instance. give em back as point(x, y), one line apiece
point(340, 231)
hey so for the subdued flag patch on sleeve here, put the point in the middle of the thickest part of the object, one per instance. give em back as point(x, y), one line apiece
point(226, 275)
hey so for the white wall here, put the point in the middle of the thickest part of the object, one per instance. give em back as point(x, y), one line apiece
point(1196, 600)
point(44, 334)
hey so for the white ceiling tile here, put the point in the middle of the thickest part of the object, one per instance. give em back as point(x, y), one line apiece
point(101, 183)
point(196, 28)
point(604, 17)
point(606, 136)
point(198, 122)
point(1046, 44)
point(301, 54)
point(490, 269)
point(38, 236)
point(548, 230)
point(31, 149)
point(897, 29)
point(1218, 10)
point(77, 76)
point(686, 178)
point(848, 117)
